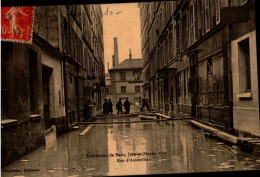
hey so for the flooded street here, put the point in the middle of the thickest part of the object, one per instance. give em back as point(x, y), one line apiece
point(161, 147)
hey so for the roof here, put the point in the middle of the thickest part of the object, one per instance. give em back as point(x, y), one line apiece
point(129, 64)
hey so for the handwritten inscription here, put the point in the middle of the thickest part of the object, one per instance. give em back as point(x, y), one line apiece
point(110, 12)
point(16, 23)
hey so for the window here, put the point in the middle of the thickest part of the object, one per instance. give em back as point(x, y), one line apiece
point(244, 66)
point(209, 66)
point(170, 47)
point(123, 89)
point(196, 19)
point(218, 82)
point(191, 25)
point(177, 37)
point(207, 15)
point(184, 32)
point(122, 75)
point(137, 89)
point(218, 7)
point(137, 75)
point(201, 15)
point(210, 81)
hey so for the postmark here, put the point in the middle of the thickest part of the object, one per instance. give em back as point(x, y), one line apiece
point(17, 24)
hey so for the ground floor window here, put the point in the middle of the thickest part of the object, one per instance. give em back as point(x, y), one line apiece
point(123, 89)
point(137, 89)
point(244, 66)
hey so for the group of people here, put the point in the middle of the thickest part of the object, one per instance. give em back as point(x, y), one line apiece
point(126, 105)
point(108, 106)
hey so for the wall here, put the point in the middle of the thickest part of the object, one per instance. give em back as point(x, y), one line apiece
point(57, 104)
point(26, 135)
point(246, 111)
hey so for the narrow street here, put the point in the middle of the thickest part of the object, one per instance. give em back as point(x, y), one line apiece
point(183, 74)
point(104, 149)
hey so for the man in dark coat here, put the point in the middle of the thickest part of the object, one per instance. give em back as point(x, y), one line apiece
point(87, 111)
point(110, 106)
point(105, 107)
point(127, 106)
point(119, 106)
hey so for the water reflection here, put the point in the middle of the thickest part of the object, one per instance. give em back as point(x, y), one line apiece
point(170, 147)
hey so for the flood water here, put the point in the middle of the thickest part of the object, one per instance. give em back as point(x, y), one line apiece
point(132, 148)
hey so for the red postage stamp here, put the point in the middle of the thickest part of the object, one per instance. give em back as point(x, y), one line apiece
point(17, 23)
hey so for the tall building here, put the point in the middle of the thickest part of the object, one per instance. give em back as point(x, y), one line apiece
point(200, 61)
point(47, 82)
point(125, 81)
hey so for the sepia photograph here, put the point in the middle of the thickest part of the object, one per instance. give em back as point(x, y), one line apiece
point(130, 88)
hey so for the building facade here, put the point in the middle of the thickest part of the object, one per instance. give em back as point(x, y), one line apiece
point(47, 81)
point(125, 81)
point(84, 59)
point(189, 49)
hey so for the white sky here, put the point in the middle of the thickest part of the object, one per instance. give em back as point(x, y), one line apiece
point(125, 26)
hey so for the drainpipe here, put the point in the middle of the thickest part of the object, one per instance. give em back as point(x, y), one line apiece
point(65, 90)
point(230, 84)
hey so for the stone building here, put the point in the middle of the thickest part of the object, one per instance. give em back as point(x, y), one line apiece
point(125, 81)
point(84, 58)
point(190, 63)
point(47, 81)
point(245, 71)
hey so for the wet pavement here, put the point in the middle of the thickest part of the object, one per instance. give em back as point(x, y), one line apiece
point(160, 147)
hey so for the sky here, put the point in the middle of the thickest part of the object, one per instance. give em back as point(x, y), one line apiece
point(121, 20)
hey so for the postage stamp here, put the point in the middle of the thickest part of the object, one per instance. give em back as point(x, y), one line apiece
point(17, 24)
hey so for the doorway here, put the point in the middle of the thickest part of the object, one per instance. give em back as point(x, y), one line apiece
point(46, 74)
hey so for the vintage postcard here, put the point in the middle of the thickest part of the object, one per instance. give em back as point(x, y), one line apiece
point(137, 88)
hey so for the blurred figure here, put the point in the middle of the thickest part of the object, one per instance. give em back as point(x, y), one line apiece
point(119, 106)
point(110, 106)
point(127, 106)
point(105, 107)
point(93, 108)
point(145, 103)
point(87, 110)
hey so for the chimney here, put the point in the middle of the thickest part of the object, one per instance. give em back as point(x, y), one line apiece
point(116, 51)
point(130, 55)
point(107, 66)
